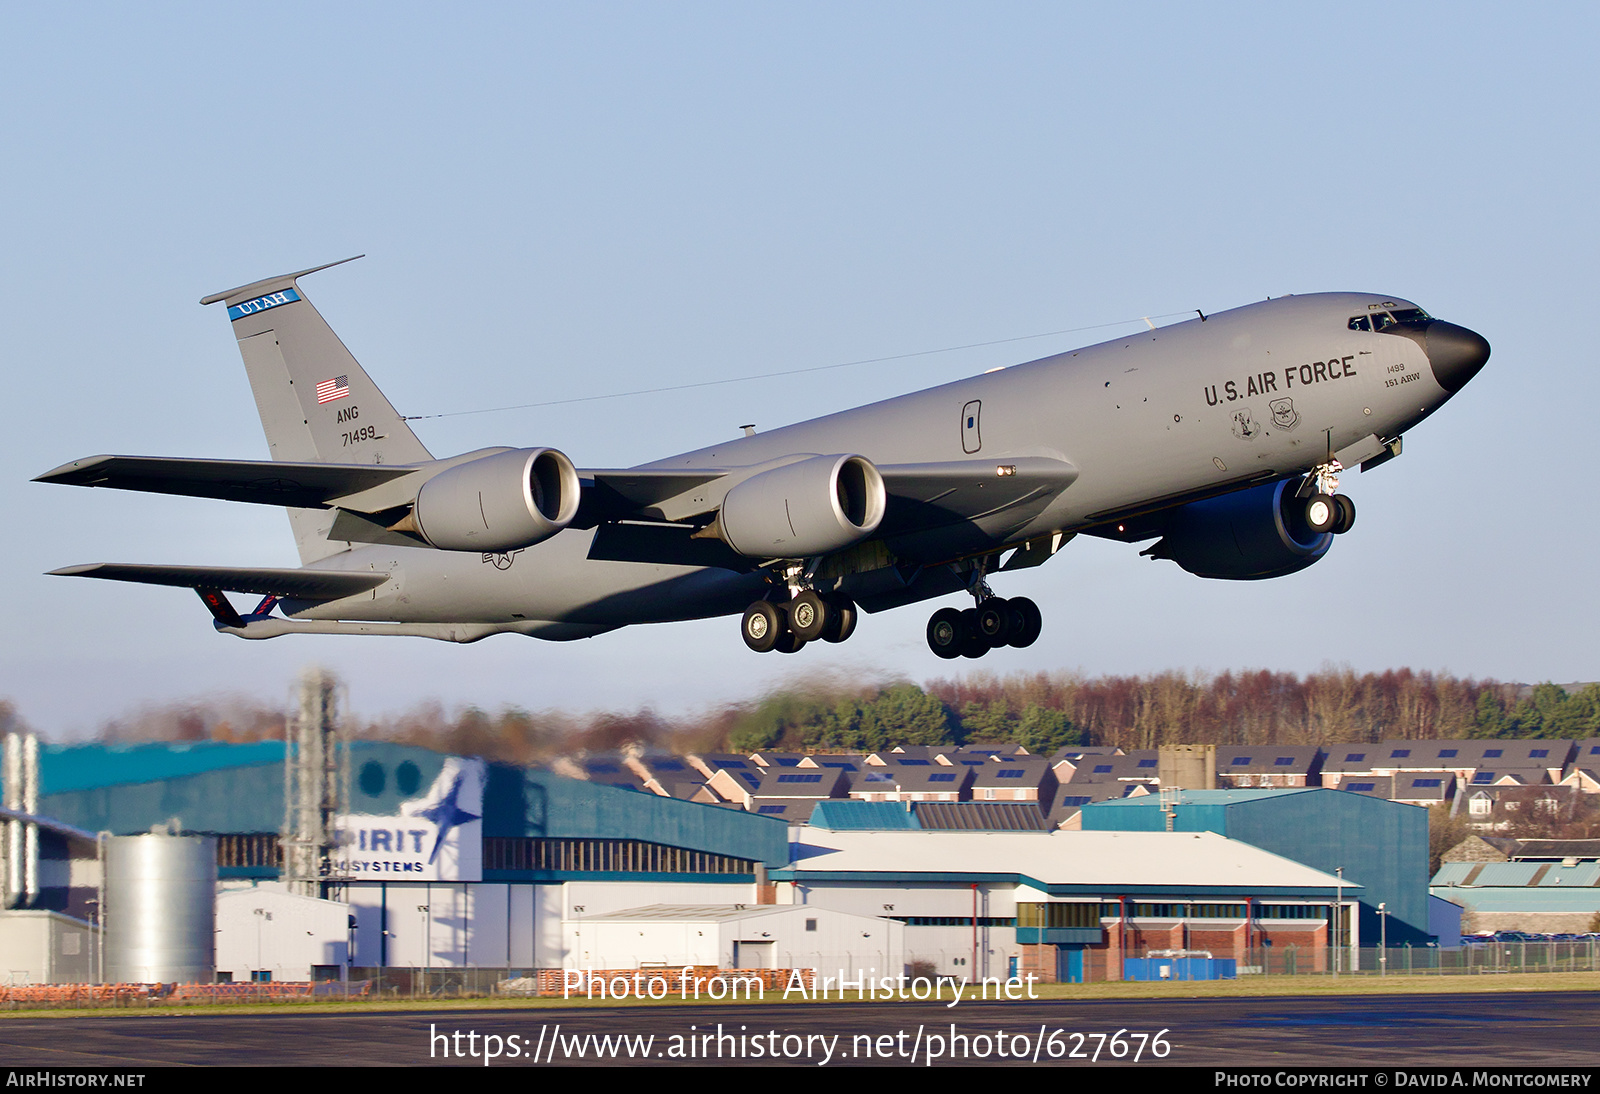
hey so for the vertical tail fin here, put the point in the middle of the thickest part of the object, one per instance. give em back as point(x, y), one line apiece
point(316, 403)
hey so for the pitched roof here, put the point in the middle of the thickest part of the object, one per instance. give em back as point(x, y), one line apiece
point(982, 816)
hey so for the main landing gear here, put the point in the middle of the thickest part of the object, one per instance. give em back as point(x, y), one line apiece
point(993, 622)
point(809, 617)
point(1325, 511)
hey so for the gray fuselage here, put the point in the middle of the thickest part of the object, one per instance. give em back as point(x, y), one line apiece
point(1264, 391)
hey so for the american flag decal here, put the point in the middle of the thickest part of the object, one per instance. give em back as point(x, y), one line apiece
point(336, 388)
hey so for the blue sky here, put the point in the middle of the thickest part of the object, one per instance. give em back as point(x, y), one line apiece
point(563, 201)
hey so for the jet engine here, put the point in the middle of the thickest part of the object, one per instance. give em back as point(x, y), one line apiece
point(811, 507)
point(502, 502)
point(1243, 536)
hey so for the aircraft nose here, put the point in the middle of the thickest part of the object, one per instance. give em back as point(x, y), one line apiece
point(1455, 353)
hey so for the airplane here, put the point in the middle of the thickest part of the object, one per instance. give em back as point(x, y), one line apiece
point(1220, 438)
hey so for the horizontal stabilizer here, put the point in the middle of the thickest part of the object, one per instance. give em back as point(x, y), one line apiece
point(270, 482)
point(295, 584)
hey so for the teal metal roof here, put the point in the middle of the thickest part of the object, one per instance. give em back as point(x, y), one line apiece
point(238, 788)
point(855, 816)
point(65, 768)
point(1540, 875)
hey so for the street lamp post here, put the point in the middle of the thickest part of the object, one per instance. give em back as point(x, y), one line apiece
point(1338, 916)
point(427, 942)
point(1383, 938)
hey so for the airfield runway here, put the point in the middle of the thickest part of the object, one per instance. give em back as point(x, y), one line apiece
point(1525, 1030)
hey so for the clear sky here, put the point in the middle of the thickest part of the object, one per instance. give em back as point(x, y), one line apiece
point(560, 201)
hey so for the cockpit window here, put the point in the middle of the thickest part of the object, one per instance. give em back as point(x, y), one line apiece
point(1382, 320)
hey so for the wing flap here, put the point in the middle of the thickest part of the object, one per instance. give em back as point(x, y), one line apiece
point(269, 482)
point(295, 584)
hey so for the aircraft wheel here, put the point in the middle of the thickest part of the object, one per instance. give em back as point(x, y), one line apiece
point(994, 621)
point(1347, 514)
point(1027, 620)
point(842, 616)
point(762, 626)
point(1322, 513)
point(789, 642)
point(808, 616)
point(973, 643)
point(946, 635)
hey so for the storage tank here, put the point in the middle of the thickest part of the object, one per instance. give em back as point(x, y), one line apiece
point(160, 916)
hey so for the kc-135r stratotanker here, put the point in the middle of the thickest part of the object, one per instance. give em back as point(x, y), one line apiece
point(1220, 438)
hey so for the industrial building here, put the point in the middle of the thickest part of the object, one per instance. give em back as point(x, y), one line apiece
point(1380, 845)
point(1071, 906)
point(333, 858)
point(1547, 886)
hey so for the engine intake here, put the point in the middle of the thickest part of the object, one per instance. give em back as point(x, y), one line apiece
point(502, 502)
point(811, 507)
point(1243, 536)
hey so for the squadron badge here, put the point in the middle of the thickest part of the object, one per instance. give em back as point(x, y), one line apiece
point(1283, 413)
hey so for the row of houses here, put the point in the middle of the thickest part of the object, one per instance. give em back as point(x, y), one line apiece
point(1488, 779)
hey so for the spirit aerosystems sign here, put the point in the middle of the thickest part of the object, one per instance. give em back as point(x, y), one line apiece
point(437, 837)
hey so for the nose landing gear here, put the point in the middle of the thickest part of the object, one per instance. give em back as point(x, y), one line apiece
point(1324, 510)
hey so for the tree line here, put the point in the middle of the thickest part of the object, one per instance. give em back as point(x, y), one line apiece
point(1041, 711)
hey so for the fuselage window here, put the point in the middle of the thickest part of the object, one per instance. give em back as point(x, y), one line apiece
point(1410, 315)
point(1360, 322)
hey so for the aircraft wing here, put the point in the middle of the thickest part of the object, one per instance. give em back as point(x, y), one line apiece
point(644, 493)
point(271, 482)
point(296, 584)
point(928, 495)
point(649, 516)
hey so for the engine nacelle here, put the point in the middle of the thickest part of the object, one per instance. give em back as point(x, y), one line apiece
point(502, 502)
point(811, 507)
point(1243, 536)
